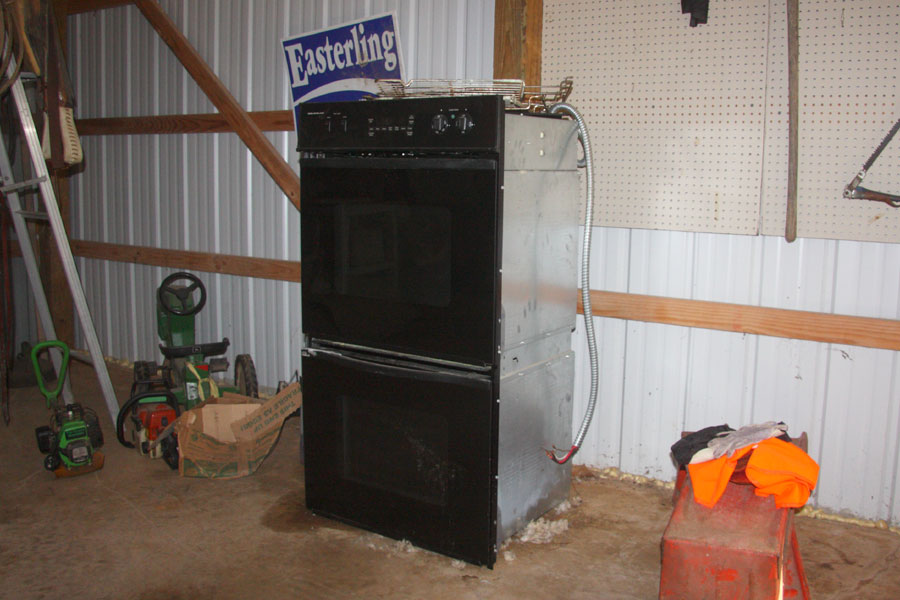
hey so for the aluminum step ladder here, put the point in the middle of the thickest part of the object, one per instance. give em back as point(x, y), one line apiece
point(42, 181)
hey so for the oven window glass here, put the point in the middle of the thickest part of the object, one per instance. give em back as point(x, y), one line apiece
point(394, 252)
point(399, 450)
point(402, 256)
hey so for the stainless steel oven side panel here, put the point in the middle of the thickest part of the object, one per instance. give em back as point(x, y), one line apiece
point(523, 355)
point(535, 413)
point(534, 143)
point(539, 286)
point(541, 199)
point(539, 280)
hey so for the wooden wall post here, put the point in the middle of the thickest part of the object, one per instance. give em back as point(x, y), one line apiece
point(518, 26)
point(56, 288)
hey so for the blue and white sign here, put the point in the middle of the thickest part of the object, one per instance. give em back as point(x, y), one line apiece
point(342, 63)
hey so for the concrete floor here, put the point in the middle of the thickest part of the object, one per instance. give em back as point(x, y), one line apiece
point(137, 530)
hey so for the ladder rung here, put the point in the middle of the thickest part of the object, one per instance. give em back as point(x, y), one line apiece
point(33, 215)
point(25, 184)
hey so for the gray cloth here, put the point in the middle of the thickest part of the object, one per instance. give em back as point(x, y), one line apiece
point(728, 443)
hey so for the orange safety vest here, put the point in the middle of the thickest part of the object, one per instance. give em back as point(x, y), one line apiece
point(776, 468)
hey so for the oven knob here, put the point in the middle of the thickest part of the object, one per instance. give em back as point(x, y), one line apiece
point(464, 122)
point(440, 123)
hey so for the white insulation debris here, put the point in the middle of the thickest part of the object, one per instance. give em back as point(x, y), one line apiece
point(542, 531)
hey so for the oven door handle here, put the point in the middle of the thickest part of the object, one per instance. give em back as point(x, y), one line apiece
point(389, 366)
point(405, 163)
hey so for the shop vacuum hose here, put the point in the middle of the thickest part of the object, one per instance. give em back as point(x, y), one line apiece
point(568, 109)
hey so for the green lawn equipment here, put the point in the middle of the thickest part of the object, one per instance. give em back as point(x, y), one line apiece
point(160, 393)
point(72, 439)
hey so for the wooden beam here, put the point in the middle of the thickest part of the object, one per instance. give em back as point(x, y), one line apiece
point(759, 320)
point(59, 295)
point(268, 120)
point(81, 6)
point(286, 178)
point(227, 264)
point(518, 27)
point(534, 32)
point(739, 318)
point(793, 47)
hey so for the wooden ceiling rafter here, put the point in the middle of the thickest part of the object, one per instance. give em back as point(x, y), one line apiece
point(275, 164)
point(231, 118)
point(230, 110)
point(266, 120)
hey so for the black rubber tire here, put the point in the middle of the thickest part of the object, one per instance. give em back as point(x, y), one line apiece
point(97, 437)
point(142, 372)
point(51, 461)
point(168, 373)
point(143, 369)
point(170, 451)
point(245, 376)
point(46, 439)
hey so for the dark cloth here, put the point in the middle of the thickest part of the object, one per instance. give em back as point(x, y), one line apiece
point(685, 448)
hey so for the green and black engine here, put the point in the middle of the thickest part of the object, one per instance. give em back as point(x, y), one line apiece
point(72, 438)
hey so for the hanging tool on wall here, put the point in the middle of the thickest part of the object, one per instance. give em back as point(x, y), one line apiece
point(59, 138)
point(854, 191)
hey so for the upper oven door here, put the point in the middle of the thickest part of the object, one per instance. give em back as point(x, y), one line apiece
point(401, 254)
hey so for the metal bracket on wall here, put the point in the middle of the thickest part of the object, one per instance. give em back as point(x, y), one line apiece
point(42, 182)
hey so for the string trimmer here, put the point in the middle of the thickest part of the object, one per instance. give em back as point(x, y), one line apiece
point(72, 439)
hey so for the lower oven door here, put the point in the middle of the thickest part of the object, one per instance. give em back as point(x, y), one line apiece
point(401, 451)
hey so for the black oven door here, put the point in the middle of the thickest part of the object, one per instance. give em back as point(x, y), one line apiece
point(400, 254)
point(402, 451)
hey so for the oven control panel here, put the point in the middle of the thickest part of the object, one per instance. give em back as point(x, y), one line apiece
point(469, 123)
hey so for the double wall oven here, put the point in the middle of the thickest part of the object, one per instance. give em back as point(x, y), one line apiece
point(438, 298)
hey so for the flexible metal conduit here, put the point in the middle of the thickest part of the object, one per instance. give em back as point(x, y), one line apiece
point(568, 109)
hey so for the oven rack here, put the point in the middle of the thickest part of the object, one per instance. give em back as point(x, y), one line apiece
point(518, 96)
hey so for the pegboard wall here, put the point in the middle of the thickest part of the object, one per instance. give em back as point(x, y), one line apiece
point(689, 124)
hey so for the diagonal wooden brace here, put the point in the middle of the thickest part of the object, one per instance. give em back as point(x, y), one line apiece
point(286, 178)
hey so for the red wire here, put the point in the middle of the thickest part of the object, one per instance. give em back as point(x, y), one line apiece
point(561, 461)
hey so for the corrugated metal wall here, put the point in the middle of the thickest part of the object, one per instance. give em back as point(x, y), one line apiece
point(204, 192)
point(659, 380)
